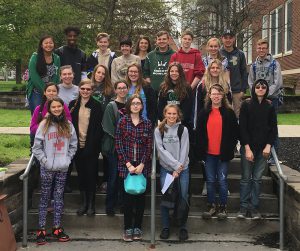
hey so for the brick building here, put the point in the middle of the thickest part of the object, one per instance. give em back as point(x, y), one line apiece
point(279, 23)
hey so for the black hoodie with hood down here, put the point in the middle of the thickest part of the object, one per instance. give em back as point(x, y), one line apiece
point(258, 121)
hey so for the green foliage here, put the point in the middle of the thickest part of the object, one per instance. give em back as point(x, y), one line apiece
point(14, 118)
point(289, 119)
point(13, 147)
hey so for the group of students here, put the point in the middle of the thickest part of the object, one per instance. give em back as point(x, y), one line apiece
point(115, 112)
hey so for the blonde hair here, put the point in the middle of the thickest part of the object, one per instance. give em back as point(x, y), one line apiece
point(162, 126)
point(214, 39)
point(222, 76)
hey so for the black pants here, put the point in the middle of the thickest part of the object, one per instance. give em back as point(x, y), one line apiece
point(87, 168)
point(134, 206)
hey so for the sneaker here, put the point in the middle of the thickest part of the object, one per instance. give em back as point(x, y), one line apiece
point(103, 187)
point(242, 214)
point(137, 234)
point(127, 236)
point(60, 234)
point(41, 237)
point(165, 234)
point(228, 193)
point(222, 214)
point(204, 190)
point(183, 234)
point(255, 214)
point(212, 211)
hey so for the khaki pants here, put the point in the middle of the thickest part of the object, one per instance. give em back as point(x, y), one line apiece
point(237, 99)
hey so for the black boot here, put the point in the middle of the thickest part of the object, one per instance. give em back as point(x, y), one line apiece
point(84, 206)
point(91, 204)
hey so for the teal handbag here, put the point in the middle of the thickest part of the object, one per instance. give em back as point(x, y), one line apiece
point(135, 184)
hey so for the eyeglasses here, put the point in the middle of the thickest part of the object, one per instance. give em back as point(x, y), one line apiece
point(122, 88)
point(136, 103)
point(261, 86)
point(85, 89)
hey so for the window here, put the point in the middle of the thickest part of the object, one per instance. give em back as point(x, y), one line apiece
point(247, 43)
point(288, 26)
point(264, 28)
point(276, 26)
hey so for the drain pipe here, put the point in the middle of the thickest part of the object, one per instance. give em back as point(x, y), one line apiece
point(153, 193)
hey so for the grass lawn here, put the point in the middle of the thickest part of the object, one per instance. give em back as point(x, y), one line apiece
point(289, 119)
point(6, 86)
point(14, 118)
point(13, 147)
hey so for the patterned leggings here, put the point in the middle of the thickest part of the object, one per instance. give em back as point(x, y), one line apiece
point(58, 179)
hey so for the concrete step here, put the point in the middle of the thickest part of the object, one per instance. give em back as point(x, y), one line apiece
point(196, 183)
point(268, 203)
point(195, 223)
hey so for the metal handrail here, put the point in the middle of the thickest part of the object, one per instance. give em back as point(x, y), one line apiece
point(153, 193)
point(282, 179)
point(24, 177)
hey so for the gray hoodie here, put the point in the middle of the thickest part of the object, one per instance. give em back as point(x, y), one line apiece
point(172, 154)
point(264, 70)
point(54, 153)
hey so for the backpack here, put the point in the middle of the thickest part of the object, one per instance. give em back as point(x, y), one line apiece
point(180, 130)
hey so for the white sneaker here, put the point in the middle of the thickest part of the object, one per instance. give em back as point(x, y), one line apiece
point(204, 190)
point(228, 193)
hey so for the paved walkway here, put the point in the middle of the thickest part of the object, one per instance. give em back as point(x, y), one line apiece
point(284, 130)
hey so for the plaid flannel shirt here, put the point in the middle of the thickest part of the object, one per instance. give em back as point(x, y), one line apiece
point(133, 144)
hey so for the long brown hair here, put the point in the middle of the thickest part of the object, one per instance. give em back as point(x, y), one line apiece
point(108, 87)
point(140, 82)
point(221, 79)
point(180, 88)
point(129, 101)
point(63, 126)
point(162, 126)
point(224, 103)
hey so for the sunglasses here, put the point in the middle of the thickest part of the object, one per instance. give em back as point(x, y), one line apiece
point(85, 89)
point(261, 86)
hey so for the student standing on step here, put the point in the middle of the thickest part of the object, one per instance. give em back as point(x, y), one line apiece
point(157, 61)
point(216, 137)
point(55, 145)
point(142, 49)
point(137, 86)
point(133, 140)
point(87, 117)
point(258, 130)
point(70, 54)
point(103, 92)
point(103, 55)
point(237, 68)
point(175, 90)
point(67, 90)
point(173, 151)
point(43, 68)
point(120, 64)
point(112, 114)
point(190, 59)
point(267, 68)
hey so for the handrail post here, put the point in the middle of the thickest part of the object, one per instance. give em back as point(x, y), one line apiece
point(281, 199)
point(153, 193)
point(25, 212)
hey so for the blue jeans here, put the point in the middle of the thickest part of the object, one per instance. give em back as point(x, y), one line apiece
point(184, 188)
point(250, 184)
point(216, 169)
point(34, 100)
point(112, 181)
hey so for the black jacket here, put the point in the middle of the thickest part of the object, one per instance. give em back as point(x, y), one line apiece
point(229, 134)
point(94, 132)
point(185, 105)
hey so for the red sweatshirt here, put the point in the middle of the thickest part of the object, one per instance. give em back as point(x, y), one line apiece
point(191, 62)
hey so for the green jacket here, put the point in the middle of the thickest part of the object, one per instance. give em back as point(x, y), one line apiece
point(35, 80)
point(156, 66)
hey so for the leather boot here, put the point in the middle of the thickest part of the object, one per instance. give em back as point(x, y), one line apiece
point(91, 204)
point(84, 206)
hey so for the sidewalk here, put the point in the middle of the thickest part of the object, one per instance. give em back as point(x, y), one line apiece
point(284, 130)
